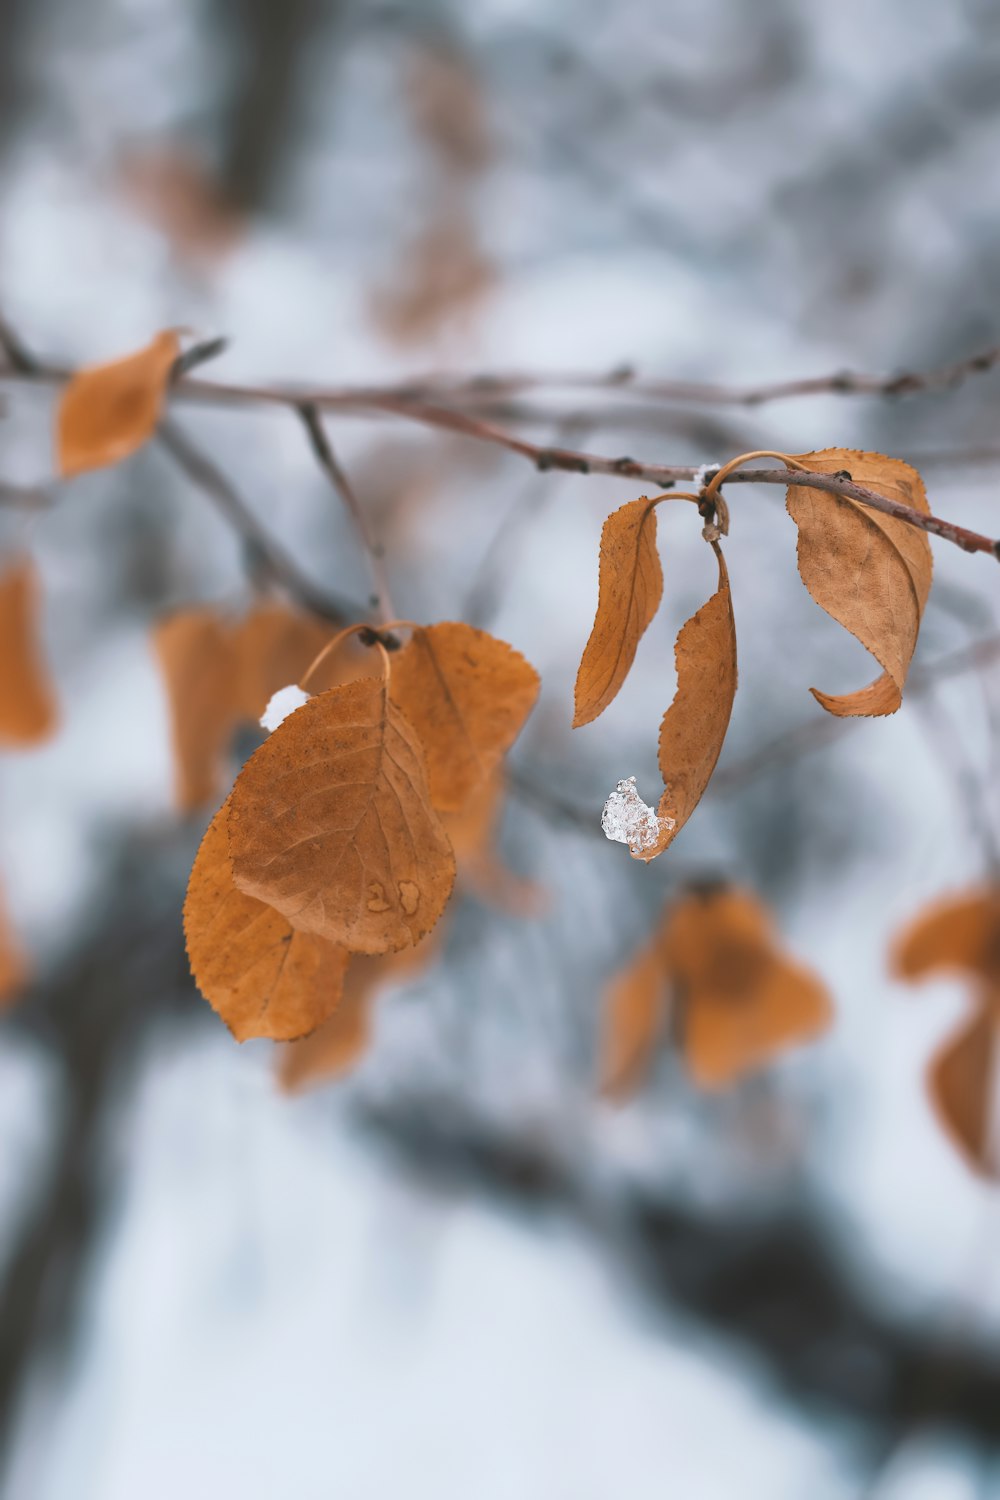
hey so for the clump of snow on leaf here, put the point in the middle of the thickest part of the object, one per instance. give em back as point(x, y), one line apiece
point(628, 820)
point(282, 703)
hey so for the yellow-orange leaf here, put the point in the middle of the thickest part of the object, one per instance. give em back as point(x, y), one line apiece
point(261, 976)
point(331, 823)
point(742, 1000)
point(630, 585)
point(635, 1008)
point(960, 1082)
point(472, 833)
point(195, 654)
point(273, 646)
point(467, 695)
point(27, 701)
point(108, 411)
point(869, 571)
point(694, 726)
point(960, 934)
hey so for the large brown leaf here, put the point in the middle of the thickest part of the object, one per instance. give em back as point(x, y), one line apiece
point(27, 700)
point(196, 657)
point(331, 823)
point(467, 695)
point(108, 411)
point(630, 585)
point(694, 726)
point(261, 976)
point(869, 571)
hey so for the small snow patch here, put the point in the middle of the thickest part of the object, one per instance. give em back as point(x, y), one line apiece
point(282, 703)
point(702, 476)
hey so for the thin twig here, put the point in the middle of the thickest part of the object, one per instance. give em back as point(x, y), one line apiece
point(267, 555)
point(482, 598)
point(626, 380)
point(331, 466)
point(430, 414)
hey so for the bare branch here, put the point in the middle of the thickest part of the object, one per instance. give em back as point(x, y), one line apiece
point(430, 414)
point(267, 555)
point(330, 464)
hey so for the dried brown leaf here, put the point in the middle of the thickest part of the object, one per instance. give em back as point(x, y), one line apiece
point(870, 572)
point(635, 1010)
point(445, 278)
point(196, 657)
point(272, 647)
point(959, 934)
point(28, 712)
point(472, 833)
point(14, 968)
point(331, 823)
point(960, 1083)
point(694, 726)
point(342, 1040)
point(176, 192)
point(262, 977)
point(108, 411)
point(630, 586)
point(467, 695)
point(741, 999)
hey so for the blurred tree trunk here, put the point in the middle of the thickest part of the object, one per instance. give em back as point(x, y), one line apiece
point(268, 43)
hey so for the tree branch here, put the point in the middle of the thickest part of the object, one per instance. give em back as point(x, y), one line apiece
point(395, 402)
point(329, 463)
point(266, 555)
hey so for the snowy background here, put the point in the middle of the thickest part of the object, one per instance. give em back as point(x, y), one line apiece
point(458, 1273)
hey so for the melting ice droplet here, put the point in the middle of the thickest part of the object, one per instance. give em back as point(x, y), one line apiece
point(282, 703)
point(628, 820)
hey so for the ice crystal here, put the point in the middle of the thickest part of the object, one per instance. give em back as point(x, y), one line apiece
point(628, 820)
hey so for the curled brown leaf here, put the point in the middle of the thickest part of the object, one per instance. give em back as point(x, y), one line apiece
point(694, 726)
point(870, 572)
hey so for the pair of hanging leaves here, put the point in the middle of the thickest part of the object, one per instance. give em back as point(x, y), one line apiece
point(630, 587)
point(869, 571)
point(333, 834)
point(737, 998)
point(961, 936)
